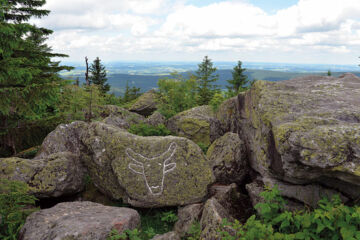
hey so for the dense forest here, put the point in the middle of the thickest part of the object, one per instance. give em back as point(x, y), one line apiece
point(214, 128)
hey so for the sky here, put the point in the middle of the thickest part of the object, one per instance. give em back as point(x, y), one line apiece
point(284, 31)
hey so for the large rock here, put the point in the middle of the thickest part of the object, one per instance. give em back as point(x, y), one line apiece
point(120, 117)
point(146, 104)
point(150, 171)
point(78, 221)
point(56, 175)
point(228, 114)
point(155, 119)
point(305, 130)
point(65, 138)
point(198, 124)
point(188, 216)
point(227, 155)
point(212, 218)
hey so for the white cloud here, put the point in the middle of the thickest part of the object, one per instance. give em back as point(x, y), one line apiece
point(163, 28)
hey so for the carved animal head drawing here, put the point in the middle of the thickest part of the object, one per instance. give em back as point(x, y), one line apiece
point(153, 169)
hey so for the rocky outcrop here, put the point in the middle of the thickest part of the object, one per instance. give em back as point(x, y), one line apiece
point(227, 156)
point(78, 221)
point(188, 216)
point(198, 124)
point(305, 131)
point(120, 117)
point(155, 119)
point(228, 114)
point(56, 175)
point(146, 104)
point(145, 171)
point(212, 217)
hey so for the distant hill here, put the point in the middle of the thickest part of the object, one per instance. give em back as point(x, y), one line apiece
point(147, 82)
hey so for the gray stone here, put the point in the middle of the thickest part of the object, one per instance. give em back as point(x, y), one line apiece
point(228, 114)
point(59, 174)
point(78, 221)
point(188, 216)
point(227, 155)
point(167, 236)
point(121, 117)
point(146, 104)
point(155, 119)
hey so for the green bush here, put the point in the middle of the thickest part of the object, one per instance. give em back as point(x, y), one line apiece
point(203, 147)
point(143, 129)
point(216, 101)
point(15, 205)
point(331, 220)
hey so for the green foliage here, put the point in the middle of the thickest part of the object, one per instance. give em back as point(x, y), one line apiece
point(216, 101)
point(130, 93)
point(329, 73)
point(239, 82)
point(98, 75)
point(331, 220)
point(143, 129)
point(126, 235)
point(205, 76)
point(194, 231)
point(169, 217)
point(204, 147)
point(177, 94)
point(15, 205)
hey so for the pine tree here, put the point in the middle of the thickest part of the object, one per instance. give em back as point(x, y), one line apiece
point(205, 77)
point(98, 75)
point(239, 81)
point(29, 80)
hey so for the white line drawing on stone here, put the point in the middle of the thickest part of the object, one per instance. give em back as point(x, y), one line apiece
point(144, 166)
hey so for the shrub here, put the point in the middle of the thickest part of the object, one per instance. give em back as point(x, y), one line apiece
point(15, 205)
point(216, 101)
point(143, 129)
point(203, 147)
point(331, 220)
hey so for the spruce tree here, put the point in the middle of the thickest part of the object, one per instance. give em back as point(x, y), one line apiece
point(239, 81)
point(29, 80)
point(98, 75)
point(205, 76)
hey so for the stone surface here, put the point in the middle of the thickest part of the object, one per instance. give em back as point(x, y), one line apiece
point(212, 217)
point(155, 119)
point(56, 175)
point(146, 104)
point(145, 171)
point(198, 124)
point(65, 138)
point(228, 114)
point(167, 236)
point(238, 205)
point(120, 117)
point(227, 155)
point(187, 215)
point(305, 130)
point(78, 221)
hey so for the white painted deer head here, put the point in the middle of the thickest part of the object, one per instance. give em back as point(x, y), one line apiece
point(153, 169)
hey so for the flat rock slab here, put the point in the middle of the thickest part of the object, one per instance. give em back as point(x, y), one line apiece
point(146, 171)
point(304, 130)
point(78, 221)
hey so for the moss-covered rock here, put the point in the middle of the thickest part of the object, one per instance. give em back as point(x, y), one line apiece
point(120, 117)
point(198, 124)
point(227, 156)
point(146, 104)
point(155, 119)
point(304, 130)
point(56, 175)
point(146, 171)
point(228, 114)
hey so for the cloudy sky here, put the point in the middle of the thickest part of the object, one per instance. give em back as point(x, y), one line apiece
point(292, 31)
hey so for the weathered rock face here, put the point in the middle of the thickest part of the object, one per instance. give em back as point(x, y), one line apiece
point(146, 104)
point(187, 215)
point(65, 138)
point(212, 217)
point(155, 119)
point(78, 221)
point(228, 114)
point(120, 117)
point(227, 155)
point(146, 171)
point(59, 174)
point(198, 124)
point(305, 130)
